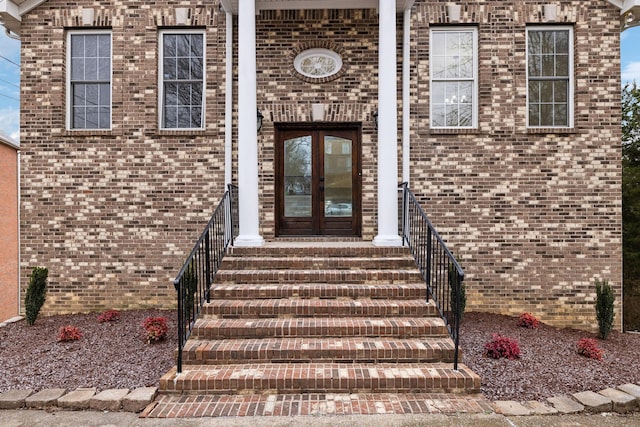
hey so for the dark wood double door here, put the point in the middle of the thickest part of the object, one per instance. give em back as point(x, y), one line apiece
point(318, 180)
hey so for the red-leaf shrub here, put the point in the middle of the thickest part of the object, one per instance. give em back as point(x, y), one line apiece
point(500, 346)
point(588, 347)
point(109, 316)
point(156, 328)
point(69, 333)
point(528, 320)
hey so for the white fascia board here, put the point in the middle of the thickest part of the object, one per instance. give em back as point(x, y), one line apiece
point(617, 3)
point(10, 16)
point(11, 13)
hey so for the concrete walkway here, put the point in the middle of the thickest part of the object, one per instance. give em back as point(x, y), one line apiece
point(622, 400)
point(28, 418)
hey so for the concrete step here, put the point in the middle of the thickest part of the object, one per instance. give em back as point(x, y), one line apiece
point(415, 290)
point(370, 276)
point(300, 262)
point(270, 308)
point(320, 327)
point(322, 378)
point(305, 350)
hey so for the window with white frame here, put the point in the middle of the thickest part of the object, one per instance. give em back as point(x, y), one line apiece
point(89, 79)
point(182, 79)
point(550, 76)
point(453, 73)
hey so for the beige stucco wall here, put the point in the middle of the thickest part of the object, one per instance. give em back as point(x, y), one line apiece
point(8, 231)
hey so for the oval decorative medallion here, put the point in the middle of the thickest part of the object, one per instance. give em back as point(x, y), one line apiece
point(318, 63)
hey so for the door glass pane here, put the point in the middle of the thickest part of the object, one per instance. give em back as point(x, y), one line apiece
point(297, 177)
point(337, 177)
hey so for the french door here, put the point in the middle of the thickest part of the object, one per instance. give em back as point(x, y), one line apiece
point(318, 185)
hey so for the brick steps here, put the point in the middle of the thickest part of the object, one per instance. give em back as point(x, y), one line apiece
point(257, 276)
point(307, 318)
point(321, 378)
point(401, 327)
point(320, 290)
point(267, 308)
point(305, 350)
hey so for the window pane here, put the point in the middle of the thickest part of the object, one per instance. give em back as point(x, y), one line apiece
point(465, 112)
point(196, 117)
point(562, 65)
point(534, 115)
point(534, 43)
point(92, 94)
point(105, 95)
point(79, 96)
point(104, 69)
point(196, 94)
point(90, 69)
point(77, 46)
point(437, 115)
point(438, 67)
point(548, 65)
point(104, 46)
point(171, 94)
point(91, 46)
point(78, 118)
point(170, 117)
point(437, 92)
point(560, 115)
point(546, 91)
point(196, 46)
point(183, 69)
point(546, 115)
point(548, 44)
point(169, 45)
point(105, 117)
point(91, 117)
point(438, 44)
point(534, 92)
point(77, 69)
point(535, 65)
point(169, 68)
point(560, 92)
point(562, 42)
point(182, 46)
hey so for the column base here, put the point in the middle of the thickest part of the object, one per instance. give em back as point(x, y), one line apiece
point(390, 240)
point(248, 241)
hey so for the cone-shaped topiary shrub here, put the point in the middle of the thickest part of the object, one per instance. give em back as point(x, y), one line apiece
point(36, 293)
point(604, 308)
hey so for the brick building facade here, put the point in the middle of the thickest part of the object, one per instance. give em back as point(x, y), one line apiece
point(9, 169)
point(531, 207)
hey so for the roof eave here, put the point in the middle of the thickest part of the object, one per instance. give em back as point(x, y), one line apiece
point(11, 13)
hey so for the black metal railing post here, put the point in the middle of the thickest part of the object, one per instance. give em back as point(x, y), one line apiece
point(195, 279)
point(440, 270)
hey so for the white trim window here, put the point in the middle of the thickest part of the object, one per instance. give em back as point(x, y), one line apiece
point(453, 77)
point(182, 79)
point(550, 76)
point(89, 80)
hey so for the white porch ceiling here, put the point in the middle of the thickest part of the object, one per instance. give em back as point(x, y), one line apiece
point(232, 5)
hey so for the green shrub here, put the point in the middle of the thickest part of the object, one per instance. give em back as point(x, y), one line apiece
point(604, 308)
point(36, 293)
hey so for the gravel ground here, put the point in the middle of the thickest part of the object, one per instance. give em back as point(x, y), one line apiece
point(116, 355)
point(549, 363)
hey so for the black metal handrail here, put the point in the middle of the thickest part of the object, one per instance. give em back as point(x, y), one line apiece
point(193, 282)
point(439, 268)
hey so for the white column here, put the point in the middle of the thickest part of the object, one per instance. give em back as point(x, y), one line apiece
point(249, 234)
point(387, 128)
point(228, 102)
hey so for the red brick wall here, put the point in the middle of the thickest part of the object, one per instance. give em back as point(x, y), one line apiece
point(534, 215)
point(8, 232)
point(113, 214)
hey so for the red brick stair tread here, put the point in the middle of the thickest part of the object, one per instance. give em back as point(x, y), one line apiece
point(323, 327)
point(322, 377)
point(265, 308)
point(320, 290)
point(299, 350)
point(319, 276)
